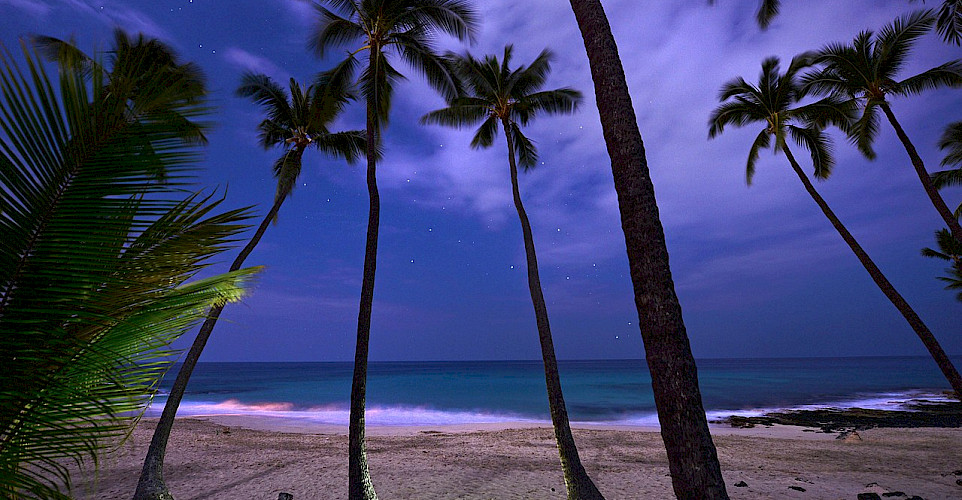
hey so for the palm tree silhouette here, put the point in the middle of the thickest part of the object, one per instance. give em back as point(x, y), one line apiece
point(866, 72)
point(294, 122)
point(770, 102)
point(405, 27)
point(496, 95)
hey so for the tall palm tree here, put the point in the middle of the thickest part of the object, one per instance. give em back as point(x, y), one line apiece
point(99, 246)
point(405, 27)
point(950, 250)
point(497, 94)
point(866, 71)
point(692, 459)
point(295, 121)
point(770, 102)
point(951, 143)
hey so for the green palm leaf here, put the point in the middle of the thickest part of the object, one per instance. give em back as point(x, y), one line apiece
point(99, 248)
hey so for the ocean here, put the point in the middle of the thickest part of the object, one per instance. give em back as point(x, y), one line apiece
point(615, 392)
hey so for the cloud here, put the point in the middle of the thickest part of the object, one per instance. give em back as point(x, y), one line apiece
point(35, 8)
point(257, 64)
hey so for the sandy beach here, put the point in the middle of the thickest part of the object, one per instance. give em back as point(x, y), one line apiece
point(255, 458)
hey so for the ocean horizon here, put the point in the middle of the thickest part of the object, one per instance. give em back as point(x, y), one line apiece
point(606, 392)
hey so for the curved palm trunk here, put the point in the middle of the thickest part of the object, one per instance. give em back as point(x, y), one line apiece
point(151, 485)
point(929, 340)
point(577, 482)
point(950, 220)
point(360, 486)
point(692, 459)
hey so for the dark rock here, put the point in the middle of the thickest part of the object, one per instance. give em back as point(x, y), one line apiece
point(285, 496)
point(958, 472)
point(869, 496)
point(958, 482)
point(796, 488)
point(893, 494)
point(917, 414)
point(741, 484)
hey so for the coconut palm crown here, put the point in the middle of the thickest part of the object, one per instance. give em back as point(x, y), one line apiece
point(867, 72)
point(297, 120)
point(770, 102)
point(497, 95)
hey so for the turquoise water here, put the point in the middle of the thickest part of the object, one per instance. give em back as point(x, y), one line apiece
point(600, 391)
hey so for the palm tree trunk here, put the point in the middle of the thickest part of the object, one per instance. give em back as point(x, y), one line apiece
point(929, 340)
point(692, 458)
point(151, 485)
point(360, 486)
point(577, 481)
point(950, 220)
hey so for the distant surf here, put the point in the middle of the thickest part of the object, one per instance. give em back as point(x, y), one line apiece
point(607, 392)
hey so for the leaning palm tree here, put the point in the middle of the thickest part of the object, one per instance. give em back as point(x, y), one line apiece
point(405, 27)
point(950, 250)
point(770, 102)
point(498, 95)
point(951, 143)
point(295, 122)
point(866, 71)
point(100, 244)
point(692, 459)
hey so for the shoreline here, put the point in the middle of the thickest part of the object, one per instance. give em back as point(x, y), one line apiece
point(221, 458)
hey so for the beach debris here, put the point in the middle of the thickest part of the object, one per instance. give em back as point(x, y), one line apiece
point(957, 473)
point(869, 496)
point(796, 488)
point(849, 435)
point(958, 482)
point(894, 494)
point(741, 484)
point(285, 496)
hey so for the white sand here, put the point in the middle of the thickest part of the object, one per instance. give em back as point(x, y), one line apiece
point(252, 458)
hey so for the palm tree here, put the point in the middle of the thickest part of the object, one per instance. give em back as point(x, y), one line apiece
point(497, 94)
point(866, 72)
point(949, 250)
point(295, 122)
point(406, 27)
point(951, 143)
point(100, 244)
point(770, 103)
point(692, 459)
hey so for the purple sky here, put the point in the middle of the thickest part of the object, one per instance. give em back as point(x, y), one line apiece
point(759, 270)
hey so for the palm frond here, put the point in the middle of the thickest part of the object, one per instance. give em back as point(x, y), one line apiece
point(558, 101)
point(423, 58)
point(333, 31)
point(461, 111)
point(96, 251)
point(762, 141)
point(894, 42)
point(949, 23)
point(523, 147)
point(820, 147)
point(454, 17)
point(945, 75)
point(951, 143)
point(484, 137)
